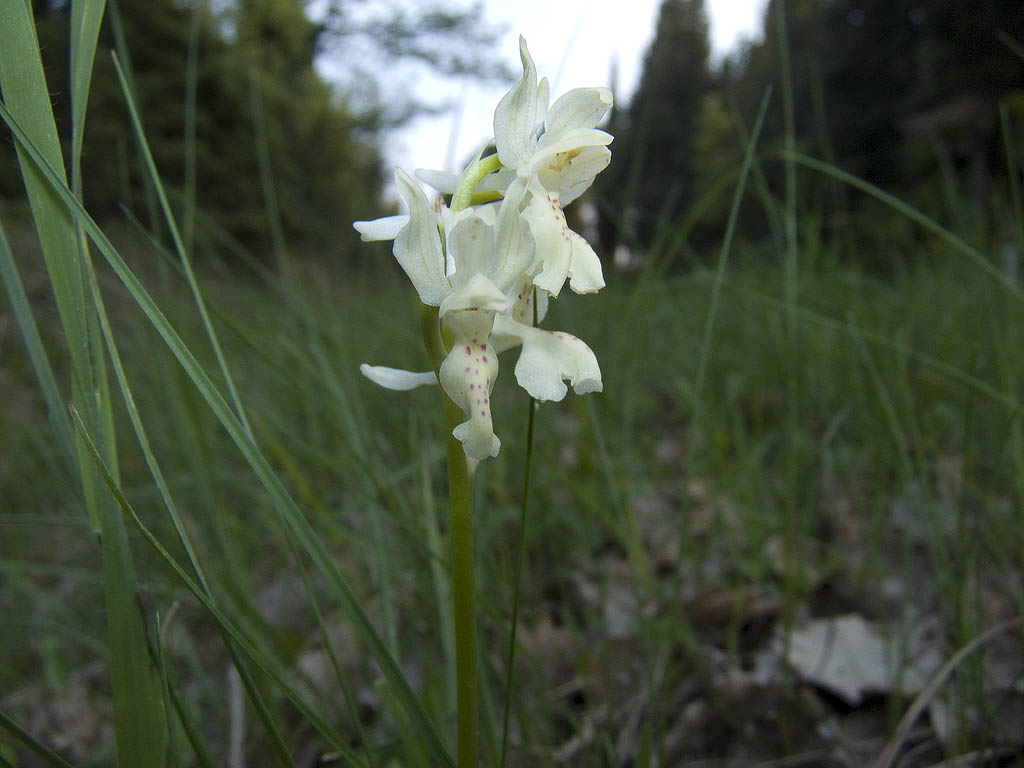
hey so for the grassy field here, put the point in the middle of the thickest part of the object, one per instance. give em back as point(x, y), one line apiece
point(868, 463)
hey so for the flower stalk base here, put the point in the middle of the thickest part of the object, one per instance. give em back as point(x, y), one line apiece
point(460, 489)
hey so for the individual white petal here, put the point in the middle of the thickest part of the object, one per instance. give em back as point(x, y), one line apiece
point(550, 146)
point(446, 183)
point(552, 238)
point(515, 118)
point(548, 359)
point(418, 244)
point(443, 181)
point(396, 378)
point(522, 312)
point(512, 249)
point(498, 181)
point(571, 174)
point(543, 99)
point(385, 228)
point(542, 305)
point(585, 274)
point(467, 376)
point(478, 293)
point(468, 234)
point(449, 221)
point(578, 108)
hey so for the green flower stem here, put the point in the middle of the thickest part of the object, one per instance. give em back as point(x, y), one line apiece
point(460, 490)
point(462, 565)
point(471, 177)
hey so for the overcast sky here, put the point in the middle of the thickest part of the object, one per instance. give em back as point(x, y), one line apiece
point(574, 43)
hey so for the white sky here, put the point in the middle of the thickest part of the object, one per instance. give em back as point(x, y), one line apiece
point(574, 43)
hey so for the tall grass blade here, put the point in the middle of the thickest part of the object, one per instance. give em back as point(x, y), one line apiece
point(26, 96)
point(186, 260)
point(32, 742)
point(723, 257)
point(124, 55)
point(975, 256)
point(86, 17)
point(259, 127)
point(140, 726)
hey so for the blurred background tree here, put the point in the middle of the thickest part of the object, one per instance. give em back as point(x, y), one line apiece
point(900, 92)
point(321, 138)
point(651, 178)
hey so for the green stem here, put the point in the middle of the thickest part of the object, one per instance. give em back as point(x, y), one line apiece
point(520, 556)
point(462, 565)
point(517, 577)
point(471, 177)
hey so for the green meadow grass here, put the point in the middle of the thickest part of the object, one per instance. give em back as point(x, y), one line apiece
point(632, 499)
point(232, 525)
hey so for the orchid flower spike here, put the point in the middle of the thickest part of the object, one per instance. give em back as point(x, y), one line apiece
point(484, 266)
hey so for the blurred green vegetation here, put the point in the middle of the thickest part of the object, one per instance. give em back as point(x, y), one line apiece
point(909, 472)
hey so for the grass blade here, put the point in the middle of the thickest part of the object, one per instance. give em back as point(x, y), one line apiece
point(179, 244)
point(140, 727)
point(32, 743)
point(86, 17)
point(956, 242)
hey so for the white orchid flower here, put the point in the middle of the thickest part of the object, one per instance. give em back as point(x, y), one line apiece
point(555, 154)
point(479, 278)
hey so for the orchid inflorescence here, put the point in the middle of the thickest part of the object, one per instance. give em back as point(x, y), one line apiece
point(502, 246)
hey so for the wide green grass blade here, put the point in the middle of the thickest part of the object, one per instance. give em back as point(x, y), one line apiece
point(26, 96)
point(283, 503)
point(86, 18)
point(138, 717)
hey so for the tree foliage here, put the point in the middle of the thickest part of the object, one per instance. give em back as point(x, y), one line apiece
point(323, 148)
point(900, 92)
point(654, 137)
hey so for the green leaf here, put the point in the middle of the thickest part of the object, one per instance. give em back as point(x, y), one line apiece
point(86, 17)
point(139, 723)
